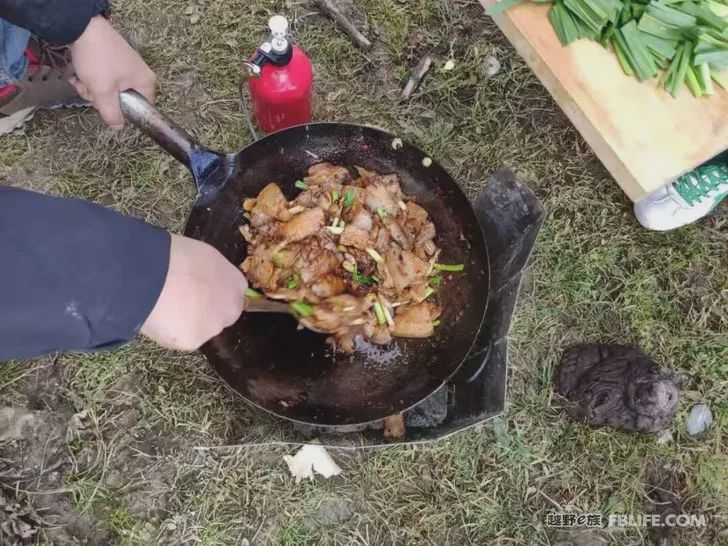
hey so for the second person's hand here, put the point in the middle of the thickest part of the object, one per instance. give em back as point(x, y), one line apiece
point(106, 65)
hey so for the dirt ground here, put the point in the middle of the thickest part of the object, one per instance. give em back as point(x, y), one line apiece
point(113, 448)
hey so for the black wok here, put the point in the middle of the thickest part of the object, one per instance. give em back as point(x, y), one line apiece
point(294, 373)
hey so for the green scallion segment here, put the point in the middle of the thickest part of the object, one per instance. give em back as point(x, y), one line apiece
point(379, 312)
point(301, 185)
point(334, 196)
point(428, 292)
point(250, 293)
point(292, 282)
point(302, 308)
point(434, 281)
point(381, 212)
point(349, 198)
point(435, 323)
point(449, 267)
point(247, 216)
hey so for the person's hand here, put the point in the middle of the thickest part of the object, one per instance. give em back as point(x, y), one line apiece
point(202, 295)
point(106, 65)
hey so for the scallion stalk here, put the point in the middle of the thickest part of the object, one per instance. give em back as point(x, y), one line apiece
point(449, 267)
point(302, 308)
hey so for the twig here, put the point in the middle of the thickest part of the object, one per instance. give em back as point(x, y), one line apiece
point(348, 27)
point(416, 77)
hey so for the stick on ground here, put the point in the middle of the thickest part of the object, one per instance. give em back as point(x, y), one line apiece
point(348, 27)
point(416, 77)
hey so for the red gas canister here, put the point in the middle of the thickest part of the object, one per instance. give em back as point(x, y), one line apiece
point(280, 80)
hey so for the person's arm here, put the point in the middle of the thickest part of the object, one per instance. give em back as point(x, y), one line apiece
point(77, 276)
point(58, 21)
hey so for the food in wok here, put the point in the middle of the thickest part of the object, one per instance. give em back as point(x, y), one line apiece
point(352, 254)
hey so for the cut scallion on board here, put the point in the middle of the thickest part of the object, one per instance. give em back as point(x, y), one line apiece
point(686, 39)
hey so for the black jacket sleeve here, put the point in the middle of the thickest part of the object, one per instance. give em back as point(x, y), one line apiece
point(74, 275)
point(58, 21)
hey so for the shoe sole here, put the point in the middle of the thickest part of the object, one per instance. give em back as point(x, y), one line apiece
point(14, 122)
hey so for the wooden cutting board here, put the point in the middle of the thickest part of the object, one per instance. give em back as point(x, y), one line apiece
point(643, 136)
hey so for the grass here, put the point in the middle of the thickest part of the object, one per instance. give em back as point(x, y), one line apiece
point(595, 276)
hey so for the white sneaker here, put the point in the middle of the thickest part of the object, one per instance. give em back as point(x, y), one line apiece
point(689, 198)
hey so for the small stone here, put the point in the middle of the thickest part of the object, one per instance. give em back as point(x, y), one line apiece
point(426, 161)
point(449, 65)
point(396, 143)
point(491, 66)
point(334, 510)
point(699, 420)
point(664, 437)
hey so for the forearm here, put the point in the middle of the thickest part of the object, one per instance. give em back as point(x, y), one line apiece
point(74, 275)
point(58, 21)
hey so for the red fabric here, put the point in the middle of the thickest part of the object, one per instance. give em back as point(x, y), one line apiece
point(32, 58)
point(7, 90)
point(33, 61)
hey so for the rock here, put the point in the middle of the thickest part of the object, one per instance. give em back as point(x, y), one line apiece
point(618, 386)
point(18, 423)
point(334, 510)
point(699, 420)
point(491, 67)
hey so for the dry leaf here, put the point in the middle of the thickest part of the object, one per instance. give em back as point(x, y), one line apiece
point(309, 459)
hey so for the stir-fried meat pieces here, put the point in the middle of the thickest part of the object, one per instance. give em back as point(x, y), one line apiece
point(416, 320)
point(355, 250)
point(302, 225)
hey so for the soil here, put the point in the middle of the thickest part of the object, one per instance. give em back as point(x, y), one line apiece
point(45, 443)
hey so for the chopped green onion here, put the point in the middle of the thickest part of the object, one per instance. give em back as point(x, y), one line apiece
point(435, 323)
point(666, 48)
point(651, 25)
point(448, 267)
point(706, 82)
point(375, 278)
point(301, 185)
point(334, 196)
point(622, 56)
point(435, 281)
point(387, 315)
point(247, 215)
point(379, 312)
point(375, 255)
point(428, 292)
point(671, 16)
point(643, 65)
point(349, 198)
point(302, 308)
point(691, 79)
point(362, 279)
point(250, 293)
point(381, 211)
point(292, 282)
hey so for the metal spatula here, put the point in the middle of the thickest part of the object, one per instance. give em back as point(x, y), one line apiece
point(265, 305)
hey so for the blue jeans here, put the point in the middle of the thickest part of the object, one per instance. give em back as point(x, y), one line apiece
point(13, 41)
